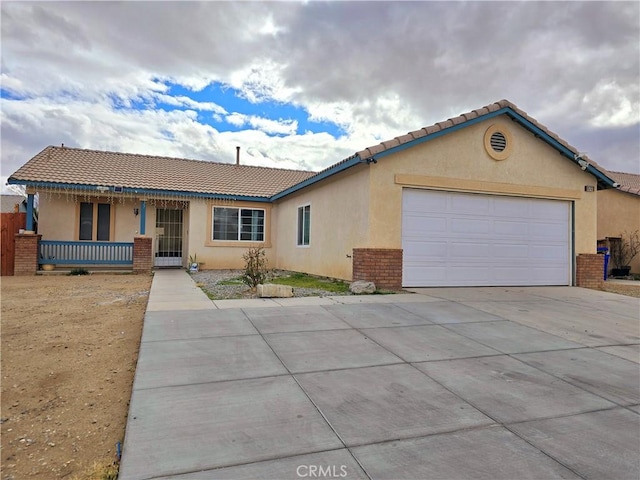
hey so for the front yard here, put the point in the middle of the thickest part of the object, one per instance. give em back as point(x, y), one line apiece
point(228, 284)
point(69, 351)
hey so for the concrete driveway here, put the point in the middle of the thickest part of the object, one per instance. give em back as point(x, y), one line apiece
point(443, 383)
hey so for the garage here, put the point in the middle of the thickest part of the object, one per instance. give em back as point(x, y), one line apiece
point(468, 239)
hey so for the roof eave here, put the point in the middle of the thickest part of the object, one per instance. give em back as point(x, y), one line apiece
point(337, 168)
point(603, 180)
point(100, 189)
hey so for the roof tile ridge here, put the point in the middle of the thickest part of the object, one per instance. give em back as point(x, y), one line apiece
point(128, 154)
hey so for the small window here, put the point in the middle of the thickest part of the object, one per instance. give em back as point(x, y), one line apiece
point(98, 214)
point(238, 224)
point(304, 225)
point(86, 221)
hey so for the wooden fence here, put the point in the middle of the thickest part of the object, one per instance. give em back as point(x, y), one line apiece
point(11, 224)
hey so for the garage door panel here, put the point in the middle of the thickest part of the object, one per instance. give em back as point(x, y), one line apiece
point(470, 249)
point(467, 204)
point(547, 231)
point(549, 253)
point(419, 225)
point(511, 251)
point(513, 227)
point(436, 203)
point(422, 251)
point(484, 240)
point(547, 210)
point(511, 209)
point(470, 225)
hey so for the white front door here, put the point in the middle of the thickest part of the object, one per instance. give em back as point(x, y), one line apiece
point(465, 239)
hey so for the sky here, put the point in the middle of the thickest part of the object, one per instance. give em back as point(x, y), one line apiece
point(304, 85)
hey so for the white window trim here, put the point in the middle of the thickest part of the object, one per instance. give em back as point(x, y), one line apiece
point(302, 245)
point(264, 226)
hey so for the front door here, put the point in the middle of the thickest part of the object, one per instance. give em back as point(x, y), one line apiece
point(168, 238)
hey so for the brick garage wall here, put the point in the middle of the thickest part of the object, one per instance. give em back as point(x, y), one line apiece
point(590, 270)
point(142, 255)
point(26, 254)
point(382, 266)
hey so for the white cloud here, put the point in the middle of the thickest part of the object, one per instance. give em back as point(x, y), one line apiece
point(376, 69)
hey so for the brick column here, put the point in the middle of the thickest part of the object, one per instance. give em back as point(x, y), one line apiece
point(590, 270)
point(142, 255)
point(382, 266)
point(26, 254)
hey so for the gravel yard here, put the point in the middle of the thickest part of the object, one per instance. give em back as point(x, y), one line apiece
point(225, 284)
point(222, 284)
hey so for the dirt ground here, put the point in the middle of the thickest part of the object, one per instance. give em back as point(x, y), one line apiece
point(69, 347)
point(630, 290)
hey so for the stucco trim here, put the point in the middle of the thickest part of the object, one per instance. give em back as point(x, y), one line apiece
point(462, 185)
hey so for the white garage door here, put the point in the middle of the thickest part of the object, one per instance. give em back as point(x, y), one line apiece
point(463, 239)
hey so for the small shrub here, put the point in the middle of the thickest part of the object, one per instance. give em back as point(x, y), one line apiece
point(624, 249)
point(255, 266)
point(79, 271)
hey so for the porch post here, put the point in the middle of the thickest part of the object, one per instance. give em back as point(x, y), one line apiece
point(143, 216)
point(30, 212)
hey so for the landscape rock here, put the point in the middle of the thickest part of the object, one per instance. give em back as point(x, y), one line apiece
point(270, 290)
point(360, 286)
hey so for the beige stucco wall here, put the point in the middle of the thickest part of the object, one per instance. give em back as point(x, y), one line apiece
point(459, 162)
point(58, 216)
point(339, 223)
point(618, 212)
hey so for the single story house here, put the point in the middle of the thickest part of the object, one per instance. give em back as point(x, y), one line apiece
point(490, 197)
point(619, 211)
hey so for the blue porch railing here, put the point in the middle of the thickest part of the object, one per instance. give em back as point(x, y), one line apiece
point(85, 253)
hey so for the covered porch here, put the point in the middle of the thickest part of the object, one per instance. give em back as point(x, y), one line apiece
point(104, 231)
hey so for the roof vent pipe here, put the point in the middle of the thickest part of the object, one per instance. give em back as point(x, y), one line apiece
point(237, 155)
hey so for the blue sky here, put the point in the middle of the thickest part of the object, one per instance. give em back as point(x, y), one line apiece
point(235, 111)
point(306, 84)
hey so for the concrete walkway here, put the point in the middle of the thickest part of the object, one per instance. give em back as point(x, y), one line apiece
point(444, 383)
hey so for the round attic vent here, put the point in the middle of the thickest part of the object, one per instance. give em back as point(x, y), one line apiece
point(497, 142)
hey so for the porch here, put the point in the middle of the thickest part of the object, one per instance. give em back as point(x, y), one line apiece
point(33, 255)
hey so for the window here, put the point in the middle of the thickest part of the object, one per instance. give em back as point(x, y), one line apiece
point(244, 224)
point(304, 225)
point(95, 221)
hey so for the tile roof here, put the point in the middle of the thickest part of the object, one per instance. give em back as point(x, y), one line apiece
point(8, 202)
point(442, 126)
point(75, 166)
point(460, 119)
point(629, 182)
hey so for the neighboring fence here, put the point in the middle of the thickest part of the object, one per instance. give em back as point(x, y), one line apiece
point(85, 253)
point(11, 224)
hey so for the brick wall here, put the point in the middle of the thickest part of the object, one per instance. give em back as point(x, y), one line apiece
point(26, 254)
point(382, 266)
point(590, 270)
point(142, 255)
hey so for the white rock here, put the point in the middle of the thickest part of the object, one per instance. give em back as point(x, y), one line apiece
point(271, 290)
point(361, 286)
